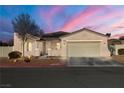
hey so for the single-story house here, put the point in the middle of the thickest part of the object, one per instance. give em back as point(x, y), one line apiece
point(81, 43)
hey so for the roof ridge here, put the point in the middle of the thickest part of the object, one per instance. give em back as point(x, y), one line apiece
point(87, 30)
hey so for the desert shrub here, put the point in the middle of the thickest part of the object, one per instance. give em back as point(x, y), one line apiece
point(14, 54)
point(121, 51)
point(41, 54)
point(27, 59)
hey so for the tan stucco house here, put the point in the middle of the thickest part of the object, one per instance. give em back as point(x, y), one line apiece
point(84, 43)
point(32, 46)
point(81, 43)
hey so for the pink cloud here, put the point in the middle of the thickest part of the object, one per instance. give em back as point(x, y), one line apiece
point(106, 17)
point(81, 17)
point(113, 25)
point(117, 35)
point(119, 24)
point(90, 18)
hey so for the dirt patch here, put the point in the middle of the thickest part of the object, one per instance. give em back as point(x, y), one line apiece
point(118, 58)
point(4, 59)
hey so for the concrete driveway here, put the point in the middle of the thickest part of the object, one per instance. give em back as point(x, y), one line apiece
point(93, 62)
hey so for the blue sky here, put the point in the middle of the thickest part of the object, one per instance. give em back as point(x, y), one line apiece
point(68, 18)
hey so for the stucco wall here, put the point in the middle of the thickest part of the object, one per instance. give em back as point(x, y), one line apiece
point(5, 50)
point(51, 48)
point(34, 51)
point(36, 46)
point(48, 47)
point(17, 43)
point(40, 46)
point(85, 35)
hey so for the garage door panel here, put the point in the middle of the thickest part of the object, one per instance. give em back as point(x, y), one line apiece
point(83, 49)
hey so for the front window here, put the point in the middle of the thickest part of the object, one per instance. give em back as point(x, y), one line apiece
point(29, 46)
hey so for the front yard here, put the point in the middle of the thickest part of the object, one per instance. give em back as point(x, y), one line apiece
point(119, 58)
point(57, 62)
point(35, 62)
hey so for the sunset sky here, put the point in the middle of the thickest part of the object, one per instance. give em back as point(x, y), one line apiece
point(103, 19)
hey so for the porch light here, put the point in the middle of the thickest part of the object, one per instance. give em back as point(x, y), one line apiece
point(36, 49)
point(58, 46)
point(49, 49)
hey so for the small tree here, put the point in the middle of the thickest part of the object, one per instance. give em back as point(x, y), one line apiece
point(36, 31)
point(111, 49)
point(24, 25)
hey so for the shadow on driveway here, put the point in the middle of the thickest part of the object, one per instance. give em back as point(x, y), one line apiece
point(95, 62)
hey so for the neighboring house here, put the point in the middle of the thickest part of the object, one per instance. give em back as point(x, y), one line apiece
point(116, 44)
point(117, 47)
point(81, 43)
point(111, 45)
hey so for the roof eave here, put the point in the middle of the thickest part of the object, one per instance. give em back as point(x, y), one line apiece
point(82, 30)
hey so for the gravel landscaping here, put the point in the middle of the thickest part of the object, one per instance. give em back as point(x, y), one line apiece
point(35, 62)
point(119, 58)
point(57, 62)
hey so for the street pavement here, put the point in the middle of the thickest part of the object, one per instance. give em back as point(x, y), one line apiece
point(66, 77)
point(78, 73)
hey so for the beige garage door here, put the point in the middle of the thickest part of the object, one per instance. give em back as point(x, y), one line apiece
point(83, 49)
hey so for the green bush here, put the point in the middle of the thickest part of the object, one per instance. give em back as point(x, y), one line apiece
point(14, 54)
point(121, 51)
